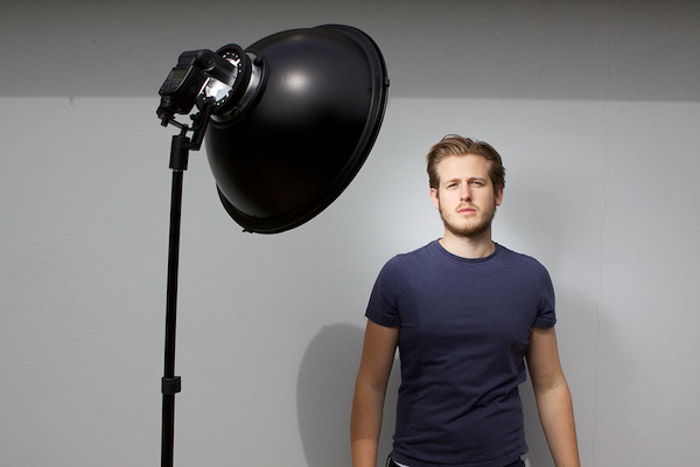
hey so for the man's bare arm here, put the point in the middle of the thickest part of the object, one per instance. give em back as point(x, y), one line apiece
point(370, 388)
point(554, 404)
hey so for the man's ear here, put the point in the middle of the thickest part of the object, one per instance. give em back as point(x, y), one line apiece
point(499, 196)
point(435, 198)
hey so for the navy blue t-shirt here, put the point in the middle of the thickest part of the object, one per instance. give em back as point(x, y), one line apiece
point(464, 330)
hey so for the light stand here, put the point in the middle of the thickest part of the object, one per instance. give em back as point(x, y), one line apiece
point(312, 89)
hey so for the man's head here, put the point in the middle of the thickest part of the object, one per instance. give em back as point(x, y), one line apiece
point(466, 184)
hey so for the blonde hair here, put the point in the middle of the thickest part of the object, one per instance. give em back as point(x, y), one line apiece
point(456, 145)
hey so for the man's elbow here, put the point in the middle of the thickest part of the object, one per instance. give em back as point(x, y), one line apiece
point(556, 383)
point(368, 385)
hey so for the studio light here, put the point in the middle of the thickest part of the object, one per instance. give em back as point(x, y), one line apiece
point(288, 122)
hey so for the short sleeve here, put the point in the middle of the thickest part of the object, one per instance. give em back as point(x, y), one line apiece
point(383, 306)
point(546, 317)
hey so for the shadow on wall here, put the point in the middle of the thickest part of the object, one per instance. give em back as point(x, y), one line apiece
point(324, 396)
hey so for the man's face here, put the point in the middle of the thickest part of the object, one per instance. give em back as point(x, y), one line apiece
point(465, 197)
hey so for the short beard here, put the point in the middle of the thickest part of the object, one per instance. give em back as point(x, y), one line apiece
point(470, 230)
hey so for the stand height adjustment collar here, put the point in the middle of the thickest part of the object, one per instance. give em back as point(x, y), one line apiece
point(179, 152)
point(171, 386)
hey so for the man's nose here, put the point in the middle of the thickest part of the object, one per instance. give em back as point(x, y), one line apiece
point(465, 193)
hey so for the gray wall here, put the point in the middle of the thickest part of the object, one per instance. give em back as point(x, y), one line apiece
point(595, 107)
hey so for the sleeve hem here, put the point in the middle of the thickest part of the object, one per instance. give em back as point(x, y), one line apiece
point(383, 322)
point(545, 322)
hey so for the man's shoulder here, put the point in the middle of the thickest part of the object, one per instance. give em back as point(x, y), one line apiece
point(413, 255)
point(409, 260)
point(521, 259)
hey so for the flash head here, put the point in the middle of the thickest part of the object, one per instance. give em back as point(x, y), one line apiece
point(201, 75)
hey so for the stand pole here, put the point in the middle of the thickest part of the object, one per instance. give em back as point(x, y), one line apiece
point(179, 156)
point(171, 384)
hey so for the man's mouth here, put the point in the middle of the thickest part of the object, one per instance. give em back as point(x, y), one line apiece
point(466, 211)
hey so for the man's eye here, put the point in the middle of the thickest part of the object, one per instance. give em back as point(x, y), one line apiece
point(451, 185)
point(477, 183)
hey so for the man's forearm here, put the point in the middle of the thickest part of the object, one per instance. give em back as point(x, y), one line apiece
point(365, 425)
point(556, 413)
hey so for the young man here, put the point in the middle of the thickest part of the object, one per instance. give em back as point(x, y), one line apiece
point(465, 313)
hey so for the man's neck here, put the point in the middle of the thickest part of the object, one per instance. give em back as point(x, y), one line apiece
point(479, 246)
